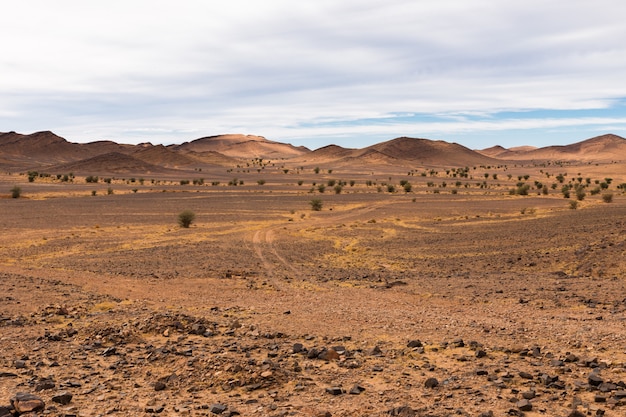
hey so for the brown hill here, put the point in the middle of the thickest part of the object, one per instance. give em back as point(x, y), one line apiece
point(243, 147)
point(430, 152)
point(607, 147)
point(161, 156)
point(39, 148)
point(109, 163)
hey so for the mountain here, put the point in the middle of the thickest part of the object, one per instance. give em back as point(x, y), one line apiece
point(243, 147)
point(607, 147)
point(108, 163)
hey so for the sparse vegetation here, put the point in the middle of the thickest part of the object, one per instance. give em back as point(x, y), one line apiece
point(16, 192)
point(573, 205)
point(316, 204)
point(607, 197)
point(260, 182)
point(185, 218)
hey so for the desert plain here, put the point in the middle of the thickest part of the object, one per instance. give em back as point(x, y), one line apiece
point(473, 291)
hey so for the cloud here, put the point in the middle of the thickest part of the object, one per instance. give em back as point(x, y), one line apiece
point(278, 68)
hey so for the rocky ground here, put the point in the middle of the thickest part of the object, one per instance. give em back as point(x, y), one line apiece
point(400, 305)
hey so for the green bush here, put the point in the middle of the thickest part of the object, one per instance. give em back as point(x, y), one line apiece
point(185, 218)
point(316, 204)
point(607, 197)
point(16, 192)
point(338, 189)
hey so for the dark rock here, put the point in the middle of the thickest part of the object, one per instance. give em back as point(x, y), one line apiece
point(599, 399)
point(159, 386)
point(576, 413)
point(480, 353)
point(62, 398)
point(594, 379)
point(524, 405)
point(619, 395)
point(218, 408)
point(414, 344)
point(458, 343)
point(525, 375)
point(8, 375)
point(6, 412)
point(328, 355)
point(313, 352)
point(431, 383)
point(403, 411)
point(44, 384)
point(24, 402)
point(356, 389)
point(482, 372)
point(528, 395)
point(297, 348)
point(334, 390)
point(486, 414)
point(20, 364)
point(375, 351)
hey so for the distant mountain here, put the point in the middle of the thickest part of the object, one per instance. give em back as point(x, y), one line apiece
point(404, 151)
point(607, 147)
point(243, 147)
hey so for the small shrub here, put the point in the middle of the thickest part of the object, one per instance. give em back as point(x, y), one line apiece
point(573, 204)
point(185, 218)
point(331, 183)
point(321, 188)
point(352, 182)
point(135, 190)
point(407, 187)
point(93, 192)
point(607, 197)
point(316, 204)
point(300, 182)
point(109, 191)
point(16, 192)
point(260, 182)
point(338, 189)
point(580, 194)
point(391, 188)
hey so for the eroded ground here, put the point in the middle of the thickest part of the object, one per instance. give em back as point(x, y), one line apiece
point(515, 305)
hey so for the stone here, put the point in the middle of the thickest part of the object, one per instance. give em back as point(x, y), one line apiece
point(334, 390)
point(431, 383)
point(525, 375)
point(159, 386)
point(20, 364)
point(62, 398)
point(329, 355)
point(297, 348)
point(356, 389)
point(24, 402)
point(403, 411)
point(528, 395)
point(414, 344)
point(375, 351)
point(218, 408)
point(594, 379)
point(480, 353)
point(44, 384)
point(524, 405)
point(5, 412)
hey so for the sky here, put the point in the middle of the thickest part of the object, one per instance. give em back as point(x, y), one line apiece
point(313, 73)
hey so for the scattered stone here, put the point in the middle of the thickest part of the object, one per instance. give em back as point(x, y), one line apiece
point(528, 395)
point(24, 402)
point(6, 411)
point(403, 411)
point(524, 405)
point(414, 344)
point(63, 398)
point(525, 375)
point(20, 364)
point(297, 348)
point(159, 386)
point(218, 408)
point(356, 389)
point(44, 384)
point(594, 379)
point(431, 383)
point(480, 353)
point(375, 351)
point(334, 390)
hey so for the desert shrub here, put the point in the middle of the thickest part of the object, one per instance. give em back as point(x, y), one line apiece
point(32, 175)
point(260, 182)
point(321, 188)
point(565, 191)
point(316, 170)
point(580, 194)
point(107, 180)
point(595, 191)
point(184, 182)
point(604, 185)
point(522, 189)
point(316, 204)
point(93, 192)
point(573, 204)
point(352, 182)
point(607, 197)
point(391, 188)
point(91, 178)
point(300, 182)
point(135, 190)
point(454, 191)
point(544, 190)
point(215, 183)
point(16, 192)
point(407, 187)
point(338, 189)
point(404, 182)
point(109, 191)
point(185, 218)
point(331, 183)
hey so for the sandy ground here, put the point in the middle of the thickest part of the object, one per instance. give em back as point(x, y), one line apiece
point(514, 305)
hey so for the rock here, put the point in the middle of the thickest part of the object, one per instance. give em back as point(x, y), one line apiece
point(525, 375)
point(328, 355)
point(403, 411)
point(20, 364)
point(159, 386)
point(218, 408)
point(481, 372)
point(524, 405)
point(414, 344)
point(480, 353)
point(297, 348)
point(334, 390)
point(528, 395)
point(431, 383)
point(62, 398)
point(375, 351)
point(5, 412)
point(356, 389)
point(594, 379)
point(24, 402)
point(576, 413)
point(44, 384)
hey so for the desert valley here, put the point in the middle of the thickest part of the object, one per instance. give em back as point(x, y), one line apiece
point(409, 278)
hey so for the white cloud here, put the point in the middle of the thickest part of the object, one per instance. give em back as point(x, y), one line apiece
point(120, 67)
